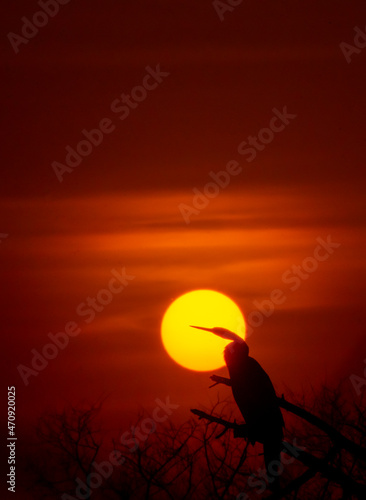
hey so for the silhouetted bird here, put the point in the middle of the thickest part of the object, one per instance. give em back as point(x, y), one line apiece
point(256, 398)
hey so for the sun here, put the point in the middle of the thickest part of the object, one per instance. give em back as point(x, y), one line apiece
point(196, 349)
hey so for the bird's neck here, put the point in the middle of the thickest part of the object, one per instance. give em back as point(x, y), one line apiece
point(237, 369)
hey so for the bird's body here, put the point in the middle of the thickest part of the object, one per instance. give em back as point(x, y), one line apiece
point(254, 394)
point(256, 399)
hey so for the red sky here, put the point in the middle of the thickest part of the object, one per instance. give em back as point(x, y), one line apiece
point(120, 206)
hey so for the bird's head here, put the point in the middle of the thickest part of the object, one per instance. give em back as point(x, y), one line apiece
point(235, 352)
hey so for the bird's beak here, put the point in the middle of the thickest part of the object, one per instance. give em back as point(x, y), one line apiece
point(221, 332)
point(202, 328)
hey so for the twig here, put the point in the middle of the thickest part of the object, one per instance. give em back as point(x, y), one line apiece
point(201, 414)
point(293, 485)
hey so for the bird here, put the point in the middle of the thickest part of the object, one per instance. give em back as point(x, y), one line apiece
point(256, 399)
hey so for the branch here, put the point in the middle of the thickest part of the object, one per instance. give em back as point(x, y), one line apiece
point(338, 439)
point(240, 430)
point(332, 473)
point(316, 464)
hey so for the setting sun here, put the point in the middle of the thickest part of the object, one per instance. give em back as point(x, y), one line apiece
point(197, 349)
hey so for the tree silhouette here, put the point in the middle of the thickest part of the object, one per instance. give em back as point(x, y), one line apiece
point(206, 457)
point(69, 443)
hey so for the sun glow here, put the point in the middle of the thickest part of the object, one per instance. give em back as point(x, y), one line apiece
point(196, 349)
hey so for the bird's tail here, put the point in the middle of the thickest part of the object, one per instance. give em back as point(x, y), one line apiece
point(272, 460)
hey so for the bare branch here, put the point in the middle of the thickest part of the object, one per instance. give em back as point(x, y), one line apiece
point(338, 439)
point(336, 475)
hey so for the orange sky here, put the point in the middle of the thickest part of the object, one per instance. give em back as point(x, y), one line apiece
point(120, 206)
